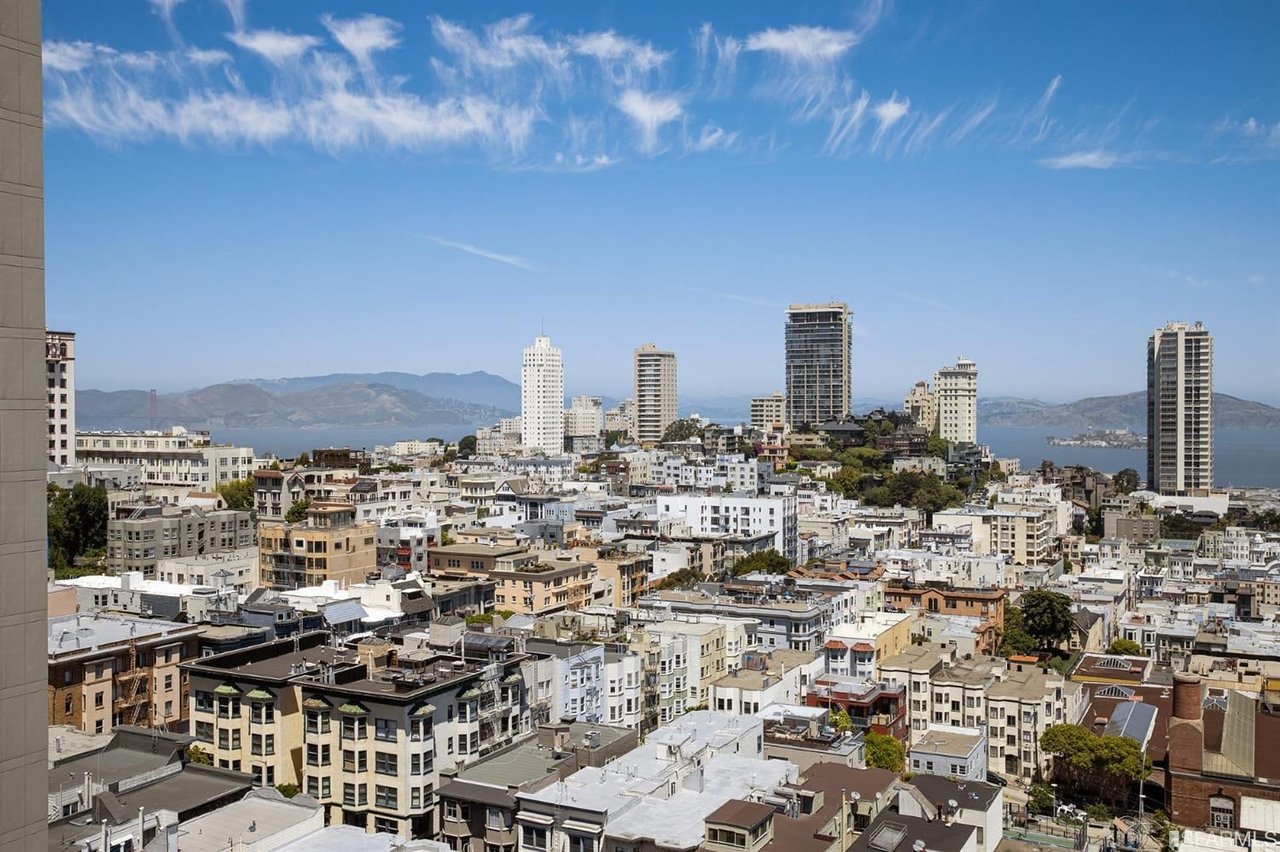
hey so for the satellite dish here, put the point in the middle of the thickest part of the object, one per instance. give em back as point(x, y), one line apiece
point(918, 846)
point(953, 804)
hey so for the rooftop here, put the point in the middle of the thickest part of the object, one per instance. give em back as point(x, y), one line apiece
point(740, 814)
point(529, 761)
point(894, 832)
point(262, 814)
point(949, 741)
point(71, 635)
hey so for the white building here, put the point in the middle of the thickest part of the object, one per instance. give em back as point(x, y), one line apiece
point(737, 514)
point(60, 381)
point(584, 417)
point(592, 684)
point(174, 457)
point(542, 398)
point(957, 391)
point(921, 405)
point(956, 752)
point(655, 393)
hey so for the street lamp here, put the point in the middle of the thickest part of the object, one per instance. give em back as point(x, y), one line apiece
point(1054, 787)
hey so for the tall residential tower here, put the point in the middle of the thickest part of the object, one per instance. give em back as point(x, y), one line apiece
point(1180, 409)
point(817, 354)
point(60, 378)
point(542, 398)
point(24, 778)
point(957, 391)
point(655, 386)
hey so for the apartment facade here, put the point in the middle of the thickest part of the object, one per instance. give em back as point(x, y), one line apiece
point(23, 411)
point(1027, 535)
point(987, 605)
point(817, 349)
point(60, 379)
point(542, 398)
point(591, 683)
point(141, 536)
point(363, 731)
point(1180, 409)
point(584, 417)
point(655, 393)
point(106, 671)
point(174, 457)
point(329, 545)
point(956, 388)
point(738, 514)
point(768, 412)
point(921, 405)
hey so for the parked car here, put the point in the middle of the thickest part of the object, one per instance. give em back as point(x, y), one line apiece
point(993, 778)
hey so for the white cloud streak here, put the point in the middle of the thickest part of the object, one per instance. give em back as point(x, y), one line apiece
point(1085, 160)
point(887, 114)
point(363, 37)
point(973, 121)
point(649, 112)
point(807, 61)
point(277, 47)
point(508, 259)
point(164, 8)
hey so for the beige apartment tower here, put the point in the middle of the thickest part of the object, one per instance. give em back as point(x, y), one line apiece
point(768, 412)
point(23, 429)
point(1180, 410)
point(655, 386)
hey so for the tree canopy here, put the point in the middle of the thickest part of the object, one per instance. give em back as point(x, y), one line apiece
point(1016, 640)
point(298, 511)
point(1087, 763)
point(1125, 481)
point(1046, 617)
point(1126, 647)
point(884, 752)
point(238, 493)
point(769, 561)
point(681, 430)
point(77, 519)
point(467, 446)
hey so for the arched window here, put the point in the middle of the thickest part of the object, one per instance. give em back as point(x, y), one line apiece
point(1222, 812)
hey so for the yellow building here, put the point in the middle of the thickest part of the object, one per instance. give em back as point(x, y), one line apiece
point(329, 545)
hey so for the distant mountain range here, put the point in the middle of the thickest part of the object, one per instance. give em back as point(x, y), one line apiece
point(394, 399)
point(1126, 411)
point(342, 404)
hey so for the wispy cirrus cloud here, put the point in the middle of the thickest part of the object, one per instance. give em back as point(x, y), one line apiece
point(363, 37)
point(806, 64)
point(888, 113)
point(164, 9)
point(649, 112)
point(508, 259)
point(975, 119)
point(1085, 160)
point(277, 47)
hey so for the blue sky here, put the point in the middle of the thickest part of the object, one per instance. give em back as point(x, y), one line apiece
point(241, 189)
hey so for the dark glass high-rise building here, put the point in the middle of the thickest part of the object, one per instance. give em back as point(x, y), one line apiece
point(818, 354)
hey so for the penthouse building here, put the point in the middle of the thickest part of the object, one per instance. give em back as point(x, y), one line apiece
point(655, 393)
point(542, 398)
point(957, 395)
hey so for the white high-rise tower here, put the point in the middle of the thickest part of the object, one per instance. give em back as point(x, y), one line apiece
point(655, 388)
point(957, 391)
point(1180, 410)
point(542, 398)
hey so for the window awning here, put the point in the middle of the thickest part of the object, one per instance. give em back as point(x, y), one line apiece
point(423, 710)
point(512, 678)
point(260, 695)
point(473, 692)
point(226, 689)
point(354, 709)
point(581, 827)
point(535, 818)
point(316, 704)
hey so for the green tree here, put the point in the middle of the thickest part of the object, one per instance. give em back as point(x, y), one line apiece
point(77, 523)
point(287, 790)
point(302, 460)
point(467, 446)
point(615, 437)
point(238, 493)
point(298, 511)
point(197, 755)
point(884, 752)
point(1040, 799)
point(840, 720)
point(1180, 526)
point(1016, 640)
point(936, 446)
point(769, 561)
point(446, 538)
point(1125, 481)
point(681, 430)
point(1126, 647)
point(1046, 616)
